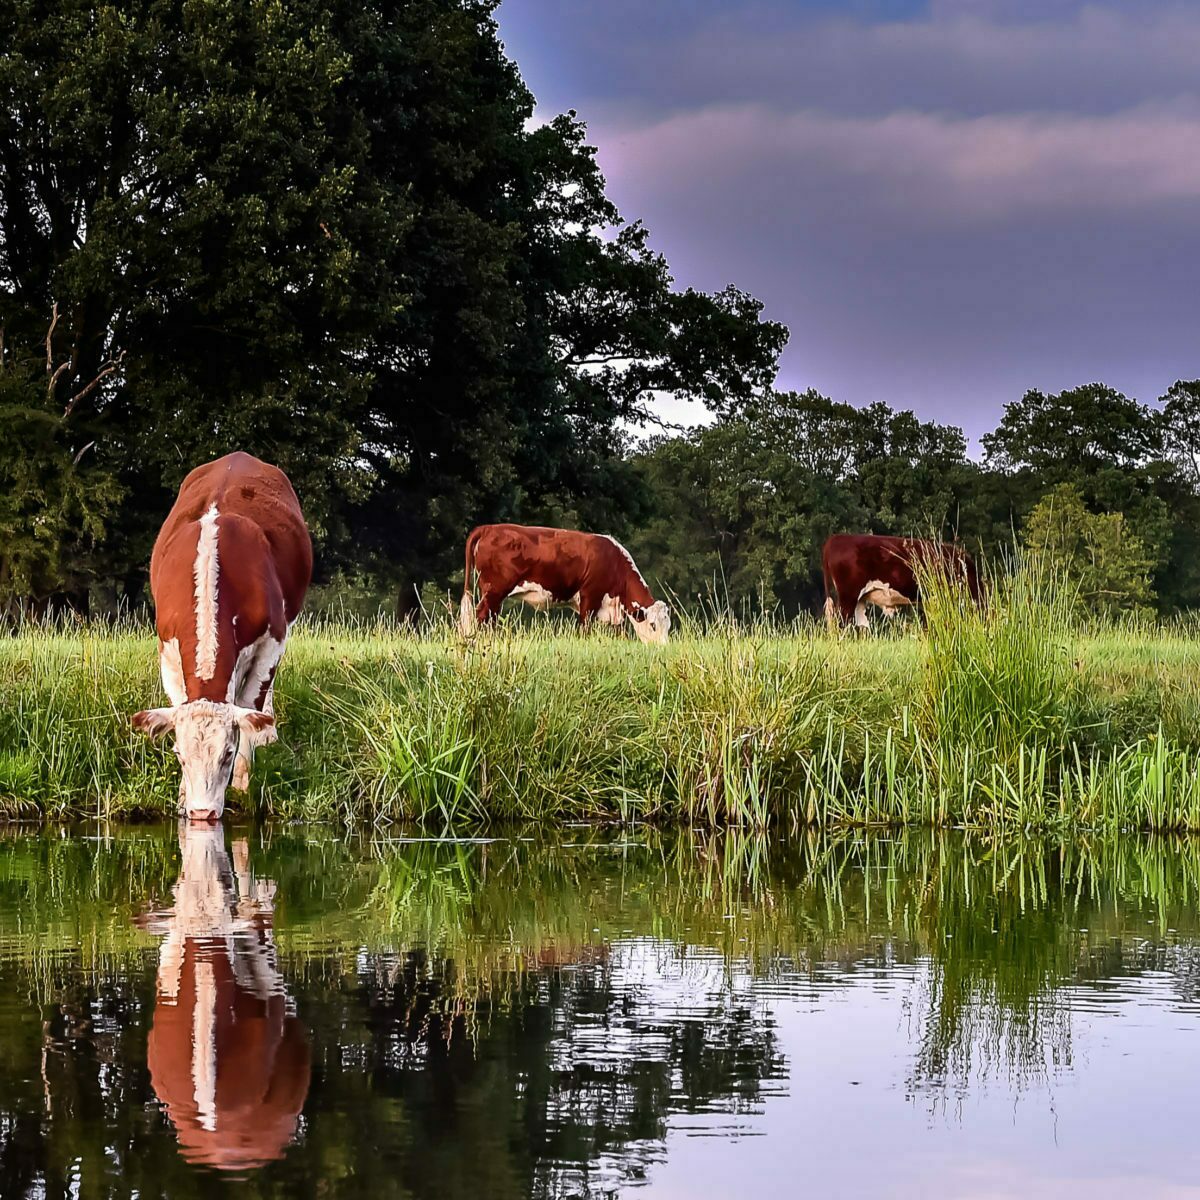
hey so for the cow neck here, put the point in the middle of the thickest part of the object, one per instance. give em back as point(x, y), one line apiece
point(636, 592)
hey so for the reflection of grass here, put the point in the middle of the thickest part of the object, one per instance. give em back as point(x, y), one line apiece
point(1003, 719)
point(992, 929)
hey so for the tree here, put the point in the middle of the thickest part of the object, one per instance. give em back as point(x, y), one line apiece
point(1110, 449)
point(1096, 553)
point(192, 186)
point(324, 233)
point(1180, 426)
point(1085, 430)
point(535, 370)
point(55, 499)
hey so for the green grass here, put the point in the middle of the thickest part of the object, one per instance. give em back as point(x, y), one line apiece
point(1005, 719)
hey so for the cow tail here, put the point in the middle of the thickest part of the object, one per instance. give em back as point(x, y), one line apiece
point(466, 606)
point(830, 618)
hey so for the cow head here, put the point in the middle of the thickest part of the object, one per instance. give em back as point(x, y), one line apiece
point(207, 736)
point(651, 624)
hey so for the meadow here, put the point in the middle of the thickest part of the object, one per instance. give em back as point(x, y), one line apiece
point(1015, 717)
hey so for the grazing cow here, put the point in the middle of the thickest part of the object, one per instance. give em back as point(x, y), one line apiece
point(228, 1058)
point(229, 572)
point(591, 572)
point(864, 569)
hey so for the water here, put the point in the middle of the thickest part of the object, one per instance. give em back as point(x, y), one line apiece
point(287, 1012)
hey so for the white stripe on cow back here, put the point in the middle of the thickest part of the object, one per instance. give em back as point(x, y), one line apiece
point(628, 558)
point(206, 574)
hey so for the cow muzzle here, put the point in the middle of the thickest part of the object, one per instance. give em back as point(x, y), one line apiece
point(652, 625)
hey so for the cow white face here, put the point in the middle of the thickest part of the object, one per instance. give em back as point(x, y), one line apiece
point(207, 735)
point(653, 624)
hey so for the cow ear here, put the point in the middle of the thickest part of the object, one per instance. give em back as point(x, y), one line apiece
point(259, 727)
point(638, 613)
point(154, 721)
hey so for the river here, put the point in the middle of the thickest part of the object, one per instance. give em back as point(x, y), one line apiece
point(305, 1011)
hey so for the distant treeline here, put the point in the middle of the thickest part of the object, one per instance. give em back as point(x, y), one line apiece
point(1104, 489)
point(328, 233)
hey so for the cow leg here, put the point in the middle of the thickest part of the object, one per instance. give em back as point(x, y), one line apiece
point(860, 617)
point(586, 609)
point(245, 753)
point(488, 607)
point(170, 667)
point(611, 613)
point(257, 690)
point(493, 591)
point(592, 608)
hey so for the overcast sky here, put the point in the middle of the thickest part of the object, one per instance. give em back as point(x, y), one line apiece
point(946, 201)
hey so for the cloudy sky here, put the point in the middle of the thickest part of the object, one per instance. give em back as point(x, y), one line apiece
point(947, 201)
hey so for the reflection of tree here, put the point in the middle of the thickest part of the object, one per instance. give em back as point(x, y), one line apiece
point(564, 1061)
point(1001, 930)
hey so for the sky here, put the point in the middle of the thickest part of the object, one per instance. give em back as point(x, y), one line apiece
point(948, 202)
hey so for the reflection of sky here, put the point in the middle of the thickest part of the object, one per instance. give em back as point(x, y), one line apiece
point(1116, 1119)
point(948, 201)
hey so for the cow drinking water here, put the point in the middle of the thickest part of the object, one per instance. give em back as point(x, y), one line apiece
point(591, 572)
point(864, 568)
point(229, 572)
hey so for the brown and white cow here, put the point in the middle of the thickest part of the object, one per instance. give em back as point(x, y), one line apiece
point(591, 572)
point(865, 568)
point(229, 572)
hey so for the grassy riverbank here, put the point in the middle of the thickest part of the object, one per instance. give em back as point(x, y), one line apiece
point(1004, 720)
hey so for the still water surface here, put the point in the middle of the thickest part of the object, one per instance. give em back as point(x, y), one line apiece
point(286, 1012)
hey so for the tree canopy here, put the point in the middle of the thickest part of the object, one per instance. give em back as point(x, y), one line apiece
point(326, 233)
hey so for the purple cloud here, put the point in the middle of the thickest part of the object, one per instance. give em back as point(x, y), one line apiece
point(918, 168)
point(946, 208)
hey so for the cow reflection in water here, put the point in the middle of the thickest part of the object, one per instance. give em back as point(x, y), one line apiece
point(228, 1057)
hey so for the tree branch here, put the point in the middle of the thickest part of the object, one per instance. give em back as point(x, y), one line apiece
point(50, 342)
point(58, 374)
point(109, 367)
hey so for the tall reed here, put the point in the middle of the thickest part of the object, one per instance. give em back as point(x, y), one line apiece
point(996, 689)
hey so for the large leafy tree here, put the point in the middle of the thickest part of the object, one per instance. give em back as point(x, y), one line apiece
point(325, 233)
point(189, 184)
point(1179, 424)
point(1082, 431)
